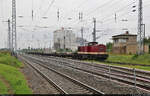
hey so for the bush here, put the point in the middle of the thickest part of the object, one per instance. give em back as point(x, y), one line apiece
point(135, 56)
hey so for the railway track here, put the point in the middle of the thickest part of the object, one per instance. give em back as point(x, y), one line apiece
point(77, 86)
point(106, 66)
point(45, 77)
point(114, 69)
point(126, 77)
point(127, 71)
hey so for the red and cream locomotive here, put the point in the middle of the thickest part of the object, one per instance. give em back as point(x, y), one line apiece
point(92, 50)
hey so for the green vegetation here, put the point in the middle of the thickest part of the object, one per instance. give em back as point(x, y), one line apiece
point(9, 71)
point(147, 42)
point(64, 50)
point(133, 59)
point(6, 58)
point(131, 66)
point(121, 65)
point(3, 88)
point(31, 50)
point(109, 47)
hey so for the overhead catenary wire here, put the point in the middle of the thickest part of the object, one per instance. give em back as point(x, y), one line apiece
point(50, 5)
point(124, 15)
point(106, 19)
point(2, 11)
point(120, 9)
point(106, 3)
point(99, 7)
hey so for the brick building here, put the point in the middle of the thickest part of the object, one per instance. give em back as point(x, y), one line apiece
point(126, 44)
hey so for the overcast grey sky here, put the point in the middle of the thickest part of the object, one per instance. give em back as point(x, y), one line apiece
point(33, 34)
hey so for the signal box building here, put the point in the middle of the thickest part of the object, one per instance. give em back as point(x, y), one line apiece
point(126, 44)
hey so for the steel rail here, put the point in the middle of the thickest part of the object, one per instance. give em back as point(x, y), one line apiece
point(46, 77)
point(115, 68)
point(141, 86)
point(91, 89)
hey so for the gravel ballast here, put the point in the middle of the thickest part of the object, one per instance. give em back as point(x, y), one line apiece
point(36, 82)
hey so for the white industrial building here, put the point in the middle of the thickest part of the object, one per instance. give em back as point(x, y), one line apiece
point(65, 38)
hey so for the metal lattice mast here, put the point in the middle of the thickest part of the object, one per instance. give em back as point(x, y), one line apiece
point(94, 30)
point(82, 36)
point(9, 35)
point(14, 34)
point(140, 31)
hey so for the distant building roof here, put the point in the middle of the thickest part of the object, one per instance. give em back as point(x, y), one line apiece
point(125, 34)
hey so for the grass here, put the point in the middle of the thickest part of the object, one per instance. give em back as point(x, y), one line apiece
point(133, 59)
point(3, 88)
point(121, 65)
point(9, 70)
point(132, 66)
point(7, 59)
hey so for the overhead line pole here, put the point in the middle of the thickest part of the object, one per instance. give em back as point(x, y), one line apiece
point(140, 31)
point(143, 29)
point(143, 25)
point(64, 39)
point(82, 36)
point(94, 30)
point(58, 14)
point(14, 34)
point(9, 36)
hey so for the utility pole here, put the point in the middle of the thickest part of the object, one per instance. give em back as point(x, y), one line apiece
point(58, 14)
point(64, 42)
point(140, 31)
point(81, 16)
point(9, 36)
point(32, 11)
point(64, 39)
point(143, 25)
point(94, 30)
point(82, 35)
point(115, 18)
point(14, 34)
point(8, 43)
point(32, 15)
point(143, 29)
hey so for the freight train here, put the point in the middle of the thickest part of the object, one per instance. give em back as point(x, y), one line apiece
point(91, 51)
